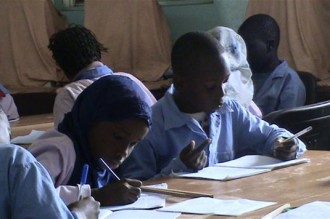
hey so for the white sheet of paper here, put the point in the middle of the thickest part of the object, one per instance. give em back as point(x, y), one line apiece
point(262, 162)
point(214, 206)
point(317, 209)
point(146, 201)
point(222, 173)
point(27, 139)
point(143, 214)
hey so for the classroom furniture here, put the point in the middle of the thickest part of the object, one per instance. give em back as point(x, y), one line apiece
point(310, 82)
point(26, 124)
point(296, 185)
point(295, 119)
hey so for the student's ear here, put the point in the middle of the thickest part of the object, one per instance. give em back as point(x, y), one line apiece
point(270, 45)
point(178, 82)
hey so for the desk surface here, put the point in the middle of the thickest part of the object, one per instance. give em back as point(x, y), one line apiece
point(27, 123)
point(296, 185)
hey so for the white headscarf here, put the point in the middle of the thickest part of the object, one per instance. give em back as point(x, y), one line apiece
point(239, 85)
point(4, 128)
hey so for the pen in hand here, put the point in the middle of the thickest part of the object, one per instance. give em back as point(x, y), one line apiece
point(304, 131)
point(108, 168)
point(83, 179)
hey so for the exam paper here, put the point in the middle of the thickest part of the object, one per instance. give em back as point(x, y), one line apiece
point(146, 201)
point(222, 173)
point(27, 139)
point(317, 209)
point(141, 214)
point(214, 206)
point(261, 162)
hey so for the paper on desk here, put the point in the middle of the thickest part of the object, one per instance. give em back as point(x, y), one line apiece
point(27, 139)
point(214, 206)
point(317, 209)
point(143, 214)
point(222, 173)
point(146, 201)
point(261, 162)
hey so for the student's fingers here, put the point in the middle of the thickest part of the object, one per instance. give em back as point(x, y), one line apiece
point(285, 152)
point(134, 182)
point(202, 146)
point(201, 161)
point(190, 147)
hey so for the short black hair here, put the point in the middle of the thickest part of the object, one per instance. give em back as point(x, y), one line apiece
point(263, 26)
point(74, 48)
point(191, 49)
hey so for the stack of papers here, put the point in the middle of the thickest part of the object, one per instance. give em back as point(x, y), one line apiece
point(143, 214)
point(248, 165)
point(214, 206)
point(317, 209)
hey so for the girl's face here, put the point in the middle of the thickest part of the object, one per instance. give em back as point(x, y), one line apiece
point(114, 141)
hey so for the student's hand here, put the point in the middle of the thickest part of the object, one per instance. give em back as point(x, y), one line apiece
point(285, 150)
point(195, 158)
point(86, 208)
point(121, 192)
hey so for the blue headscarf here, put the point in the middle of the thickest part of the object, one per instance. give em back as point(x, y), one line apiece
point(110, 98)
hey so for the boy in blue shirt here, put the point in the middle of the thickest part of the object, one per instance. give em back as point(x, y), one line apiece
point(276, 85)
point(193, 126)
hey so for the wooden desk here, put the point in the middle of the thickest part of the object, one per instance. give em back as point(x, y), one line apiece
point(27, 123)
point(296, 185)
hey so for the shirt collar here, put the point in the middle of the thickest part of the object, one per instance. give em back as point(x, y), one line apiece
point(278, 71)
point(93, 73)
point(175, 118)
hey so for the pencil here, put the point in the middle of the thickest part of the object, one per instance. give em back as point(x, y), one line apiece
point(175, 192)
point(309, 128)
point(276, 212)
point(83, 179)
point(109, 169)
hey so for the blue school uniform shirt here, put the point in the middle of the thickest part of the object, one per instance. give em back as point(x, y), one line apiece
point(233, 130)
point(283, 89)
point(27, 191)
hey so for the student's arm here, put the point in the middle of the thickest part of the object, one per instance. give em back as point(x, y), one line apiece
point(33, 194)
point(63, 104)
point(293, 93)
point(253, 134)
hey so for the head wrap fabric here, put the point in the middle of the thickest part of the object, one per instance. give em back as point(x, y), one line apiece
point(110, 98)
point(3, 91)
point(239, 85)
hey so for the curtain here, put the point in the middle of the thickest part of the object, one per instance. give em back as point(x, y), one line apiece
point(136, 33)
point(26, 26)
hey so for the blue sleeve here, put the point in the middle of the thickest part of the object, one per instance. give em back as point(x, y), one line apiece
point(293, 92)
point(255, 134)
point(33, 193)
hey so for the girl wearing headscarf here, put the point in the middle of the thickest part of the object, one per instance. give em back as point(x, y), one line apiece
point(107, 120)
point(239, 86)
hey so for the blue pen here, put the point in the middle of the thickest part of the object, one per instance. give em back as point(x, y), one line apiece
point(109, 169)
point(83, 179)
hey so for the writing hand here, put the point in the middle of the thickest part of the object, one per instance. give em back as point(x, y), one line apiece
point(285, 150)
point(86, 208)
point(195, 158)
point(121, 192)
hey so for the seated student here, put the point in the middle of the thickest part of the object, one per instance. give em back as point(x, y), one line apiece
point(193, 126)
point(26, 188)
point(107, 120)
point(7, 103)
point(239, 85)
point(276, 85)
point(78, 53)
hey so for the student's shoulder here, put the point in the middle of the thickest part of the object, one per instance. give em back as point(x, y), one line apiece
point(15, 155)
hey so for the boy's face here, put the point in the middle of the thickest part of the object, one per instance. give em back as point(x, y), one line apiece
point(203, 91)
point(257, 52)
point(114, 141)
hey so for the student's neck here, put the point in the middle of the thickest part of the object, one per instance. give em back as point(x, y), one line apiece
point(270, 67)
point(182, 104)
point(92, 65)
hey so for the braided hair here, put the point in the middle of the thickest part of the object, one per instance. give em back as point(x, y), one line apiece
point(75, 48)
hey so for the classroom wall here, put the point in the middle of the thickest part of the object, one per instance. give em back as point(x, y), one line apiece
point(189, 15)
